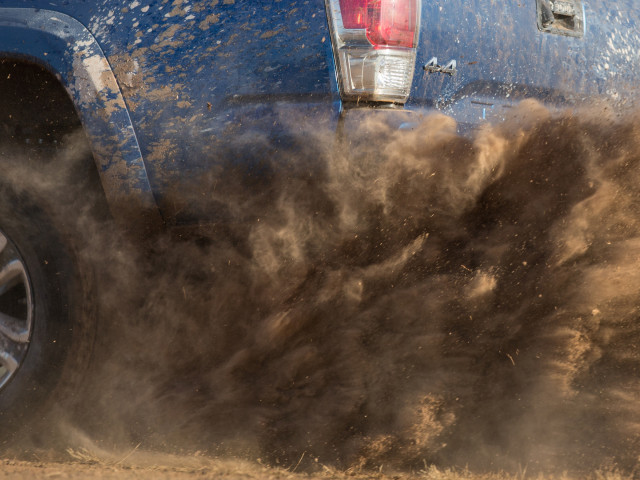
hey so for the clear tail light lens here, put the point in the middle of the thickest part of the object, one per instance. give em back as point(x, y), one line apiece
point(374, 44)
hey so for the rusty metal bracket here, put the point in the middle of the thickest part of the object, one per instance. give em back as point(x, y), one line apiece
point(562, 17)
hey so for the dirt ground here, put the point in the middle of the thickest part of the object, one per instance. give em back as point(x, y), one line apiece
point(141, 465)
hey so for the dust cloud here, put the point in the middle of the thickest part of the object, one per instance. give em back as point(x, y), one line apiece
point(426, 298)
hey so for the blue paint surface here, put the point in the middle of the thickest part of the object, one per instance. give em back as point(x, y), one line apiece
point(198, 80)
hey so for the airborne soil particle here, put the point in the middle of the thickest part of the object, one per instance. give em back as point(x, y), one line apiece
point(425, 299)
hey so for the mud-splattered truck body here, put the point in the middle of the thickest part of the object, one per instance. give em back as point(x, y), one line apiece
point(163, 88)
point(168, 91)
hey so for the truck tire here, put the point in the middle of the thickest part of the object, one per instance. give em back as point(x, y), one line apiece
point(45, 332)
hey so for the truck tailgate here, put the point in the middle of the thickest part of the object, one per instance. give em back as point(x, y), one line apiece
point(502, 55)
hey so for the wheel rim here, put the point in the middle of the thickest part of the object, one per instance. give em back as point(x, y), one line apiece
point(16, 310)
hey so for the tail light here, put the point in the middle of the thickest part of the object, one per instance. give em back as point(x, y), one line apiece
point(374, 43)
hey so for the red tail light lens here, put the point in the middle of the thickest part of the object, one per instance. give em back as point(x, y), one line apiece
point(354, 13)
point(374, 43)
point(387, 22)
point(391, 22)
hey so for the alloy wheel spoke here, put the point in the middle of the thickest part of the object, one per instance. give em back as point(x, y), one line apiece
point(16, 310)
point(8, 360)
point(11, 274)
point(13, 328)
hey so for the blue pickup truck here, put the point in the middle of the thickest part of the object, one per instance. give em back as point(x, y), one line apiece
point(165, 91)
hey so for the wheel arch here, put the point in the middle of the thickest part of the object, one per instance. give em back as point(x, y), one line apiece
point(64, 47)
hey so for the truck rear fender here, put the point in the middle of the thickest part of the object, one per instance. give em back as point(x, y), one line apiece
point(65, 47)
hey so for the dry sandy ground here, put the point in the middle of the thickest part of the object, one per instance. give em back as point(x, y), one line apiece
point(153, 466)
